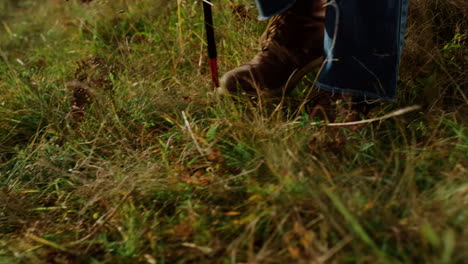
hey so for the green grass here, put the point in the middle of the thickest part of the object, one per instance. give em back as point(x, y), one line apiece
point(160, 171)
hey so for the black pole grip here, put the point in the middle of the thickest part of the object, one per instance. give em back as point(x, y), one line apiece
point(212, 53)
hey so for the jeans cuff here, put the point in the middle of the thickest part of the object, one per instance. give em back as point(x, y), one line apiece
point(267, 16)
point(369, 97)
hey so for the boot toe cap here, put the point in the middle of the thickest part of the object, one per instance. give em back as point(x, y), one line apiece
point(238, 81)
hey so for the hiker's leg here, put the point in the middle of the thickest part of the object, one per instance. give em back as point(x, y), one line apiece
point(269, 8)
point(363, 42)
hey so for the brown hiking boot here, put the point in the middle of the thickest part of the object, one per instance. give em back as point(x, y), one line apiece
point(292, 46)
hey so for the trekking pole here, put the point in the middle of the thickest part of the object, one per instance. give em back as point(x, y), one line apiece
point(210, 37)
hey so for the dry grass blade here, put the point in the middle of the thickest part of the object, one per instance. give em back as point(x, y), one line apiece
point(329, 254)
point(192, 135)
point(46, 242)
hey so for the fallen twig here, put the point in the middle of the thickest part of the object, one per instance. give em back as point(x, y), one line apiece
point(395, 113)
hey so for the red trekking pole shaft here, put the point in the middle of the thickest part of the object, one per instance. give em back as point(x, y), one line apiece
point(210, 37)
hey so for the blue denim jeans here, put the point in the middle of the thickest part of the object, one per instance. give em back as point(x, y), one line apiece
point(363, 44)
